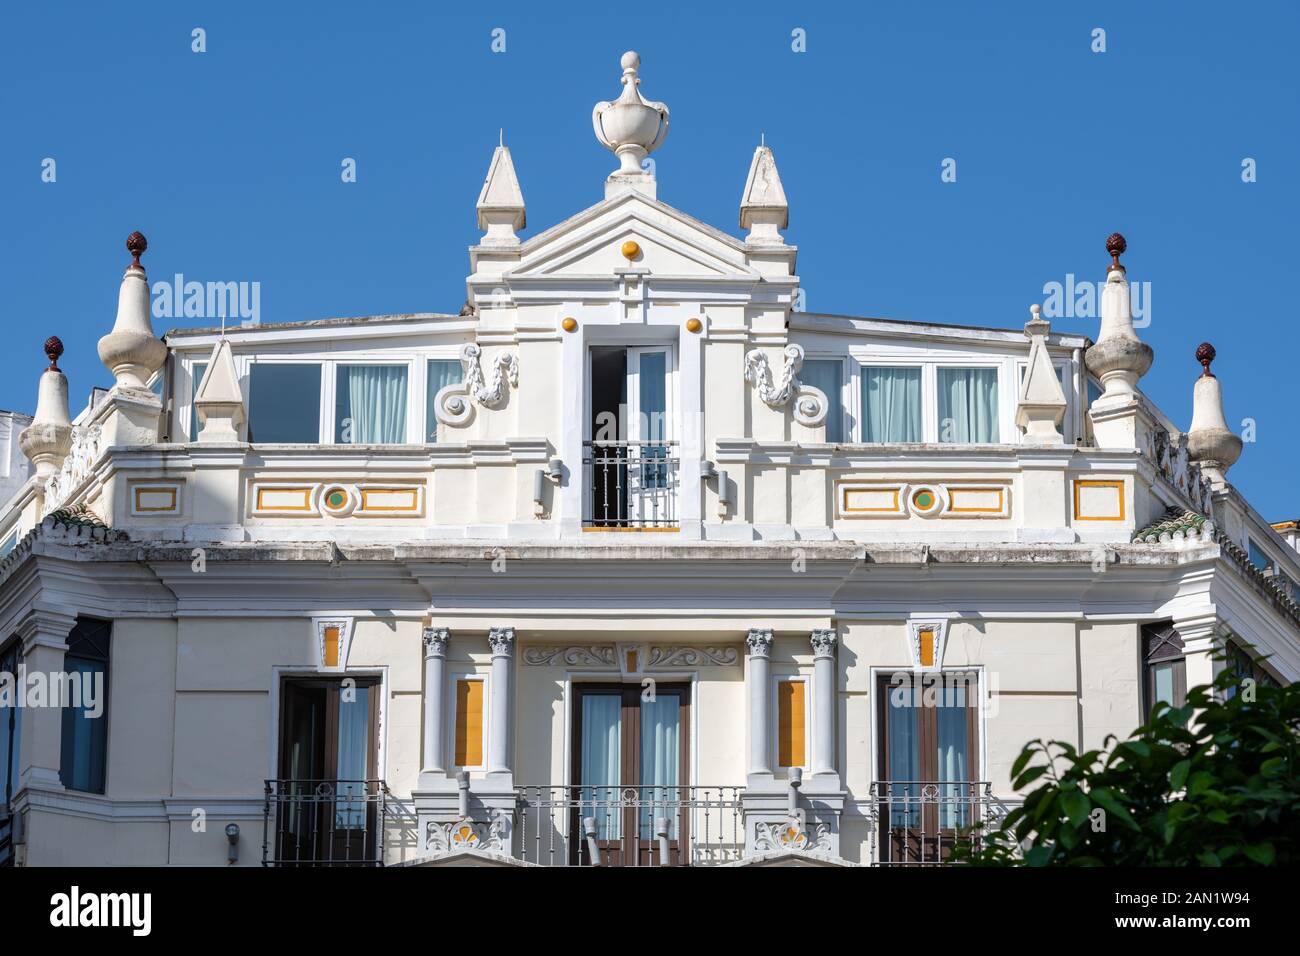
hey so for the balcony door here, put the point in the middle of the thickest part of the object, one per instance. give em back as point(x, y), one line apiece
point(928, 764)
point(633, 474)
point(325, 809)
point(630, 773)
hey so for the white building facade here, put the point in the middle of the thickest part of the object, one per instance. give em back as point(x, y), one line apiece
point(629, 563)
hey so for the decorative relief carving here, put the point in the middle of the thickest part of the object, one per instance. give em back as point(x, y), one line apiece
point(792, 834)
point(594, 655)
point(759, 641)
point(675, 656)
point(1168, 454)
point(810, 404)
point(466, 835)
point(82, 456)
point(452, 404)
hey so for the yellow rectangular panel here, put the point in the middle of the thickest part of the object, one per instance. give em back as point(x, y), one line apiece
point(469, 723)
point(790, 723)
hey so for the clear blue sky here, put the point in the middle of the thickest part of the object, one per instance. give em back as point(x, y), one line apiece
point(229, 161)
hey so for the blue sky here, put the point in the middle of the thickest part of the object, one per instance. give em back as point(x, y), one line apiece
point(229, 161)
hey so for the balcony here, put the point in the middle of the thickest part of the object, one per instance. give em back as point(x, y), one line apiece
point(6, 839)
point(630, 826)
point(324, 823)
point(632, 485)
point(920, 822)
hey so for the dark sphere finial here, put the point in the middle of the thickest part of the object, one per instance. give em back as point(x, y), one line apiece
point(1116, 245)
point(53, 349)
point(1205, 355)
point(136, 244)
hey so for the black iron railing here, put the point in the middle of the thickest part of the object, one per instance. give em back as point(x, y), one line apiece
point(920, 822)
point(632, 484)
point(324, 823)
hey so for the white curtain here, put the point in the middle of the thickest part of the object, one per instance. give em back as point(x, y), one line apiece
point(891, 404)
point(601, 756)
point(968, 405)
point(371, 405)
point(442, 372)
point(196, 374)
point(660, 761)
point(828, 375)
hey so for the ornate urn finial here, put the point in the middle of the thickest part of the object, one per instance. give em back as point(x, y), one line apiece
point(136, 244)
point(632, 127)
point(53, 349)
point(1205, 355)
point(1116, 246)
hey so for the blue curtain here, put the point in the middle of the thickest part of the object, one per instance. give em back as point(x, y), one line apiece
point(660, 761)
point(653, 381)
point(370, 405)
point(904, 756)
point(353, 754)
point(84, 744)
point(601, 755)
point(442, 372)
point(968, 405)
point(197, 375)
point(828, 375)
point(954, 761)
point(891, 404)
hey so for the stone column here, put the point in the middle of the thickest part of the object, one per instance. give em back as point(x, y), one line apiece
point(502, 642)
point(760, 749)
point(434, 762)
point(824, 687)
point(44, 634)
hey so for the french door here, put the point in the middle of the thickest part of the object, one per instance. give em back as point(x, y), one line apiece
point(329, 746)
point(630, 760)
point(928, 764)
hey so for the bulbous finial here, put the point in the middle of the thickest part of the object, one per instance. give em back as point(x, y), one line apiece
point(136, 244)
point(630, 61)
point(631, 127)
point(53, 349)
point(1116, 246)
point(1205, 354)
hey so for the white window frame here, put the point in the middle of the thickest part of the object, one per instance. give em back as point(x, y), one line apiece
point(455, 674)
point(329, 395)
point(779, 676)
point(849, 418)
point(928, 402)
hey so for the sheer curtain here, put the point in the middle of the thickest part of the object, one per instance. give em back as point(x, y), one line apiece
point(601, 754)
point(828, 375)
point(904, 757)
point(371, 405)
point(968, 405)
point(954, 761)
point(891, 404)
point(353, 754)
point(660, 761)
point(196, 374)
point(442, 372)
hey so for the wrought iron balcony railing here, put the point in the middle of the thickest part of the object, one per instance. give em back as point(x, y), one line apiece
point(629, 826)
point(632, 485)
point(324, 823)
point(919, 822)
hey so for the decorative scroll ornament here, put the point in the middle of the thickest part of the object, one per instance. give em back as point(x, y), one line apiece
point(452, 404)
point(467, 835)
point(692, 656)
point(595, 655)
point(76, 468)
point(810, 404)
point(792, 834)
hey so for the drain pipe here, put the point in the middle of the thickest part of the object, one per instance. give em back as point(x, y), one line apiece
point(553, 472)
point(707, 473)
point(792, 794)
point(593, 850)
point(661, 830)
point(462, 784)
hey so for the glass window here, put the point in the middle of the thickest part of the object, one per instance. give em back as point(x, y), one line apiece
point(197, 371)
point(1258, 557)
point(10, 542)
point(891, 404)
point(284, 403)
point(370, 405)
point(10, 735)
point(968, 405)
point(828, 375)
point(84, 750)
point(442, 372)
point(1166, 667)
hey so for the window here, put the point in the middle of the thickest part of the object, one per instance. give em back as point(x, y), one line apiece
point(891, 404)
point(326, 802)
point(370, 405)
point(828, 375)
point(1244, 666)
point(9, 543)
point(197, 371)
point(626, 746)
point(928, 759)
point(1259, 557)
point(968, 405)
point(442, 372)
point(1165, 666)
point(83, 756)
point(284, 403)
point(10, 735)
point(790, 723)
point(469, 722)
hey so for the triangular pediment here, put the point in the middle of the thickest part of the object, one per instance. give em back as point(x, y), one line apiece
point(669, 243)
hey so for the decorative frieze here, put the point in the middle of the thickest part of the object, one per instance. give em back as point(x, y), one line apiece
point(903, 499)
point(792, 834)
point(607, 656)
point(467, 835)
point(76, 468)
point(687, 656)
point(591, 655)
point(336, 499)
